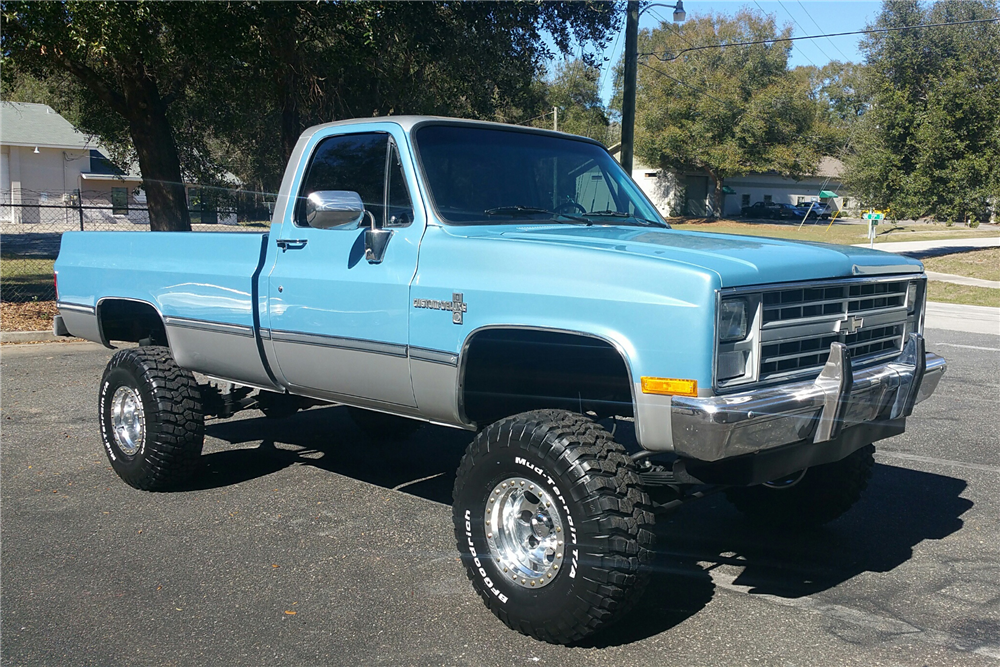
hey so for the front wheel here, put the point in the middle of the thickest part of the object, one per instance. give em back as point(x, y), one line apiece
point(152, 421)
point(810, 497)
point(552, 524)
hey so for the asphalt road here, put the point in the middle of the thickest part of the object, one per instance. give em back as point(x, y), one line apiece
point(294, 547)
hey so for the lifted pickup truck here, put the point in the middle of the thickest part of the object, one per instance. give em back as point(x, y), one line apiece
point(515, 283)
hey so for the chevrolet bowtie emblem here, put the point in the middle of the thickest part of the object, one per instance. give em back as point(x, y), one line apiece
point(850, 325)
point(457, 306)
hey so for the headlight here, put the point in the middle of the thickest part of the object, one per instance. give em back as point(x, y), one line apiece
point(732, 320)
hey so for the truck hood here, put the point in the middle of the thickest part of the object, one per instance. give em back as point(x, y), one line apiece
point(737, 260)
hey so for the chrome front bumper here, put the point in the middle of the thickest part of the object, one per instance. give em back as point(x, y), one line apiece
point(722, 427)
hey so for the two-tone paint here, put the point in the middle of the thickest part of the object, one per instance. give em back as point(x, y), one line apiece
point(315, 318)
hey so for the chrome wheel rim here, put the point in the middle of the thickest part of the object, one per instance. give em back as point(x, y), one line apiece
point(524, 532)
point(128, 422)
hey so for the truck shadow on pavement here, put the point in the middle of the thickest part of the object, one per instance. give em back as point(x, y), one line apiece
point(700, 546)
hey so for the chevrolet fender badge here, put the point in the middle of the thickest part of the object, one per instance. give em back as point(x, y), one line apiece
point(456, 306)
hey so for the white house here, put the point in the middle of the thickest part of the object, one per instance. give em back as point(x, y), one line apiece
point(46, 162)
point(690, 194)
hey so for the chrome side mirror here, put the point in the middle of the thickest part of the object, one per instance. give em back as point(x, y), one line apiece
point(334, 208)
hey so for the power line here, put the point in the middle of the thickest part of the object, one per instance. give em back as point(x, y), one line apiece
point(799, 25)
point(775, 40)
point(611, 60)
point(815, 23)
point(676, 30)
point(686, 85)
point(793, 18)
point(813, 62)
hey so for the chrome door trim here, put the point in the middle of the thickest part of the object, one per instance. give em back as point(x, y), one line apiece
point(433, 356)
point(206, 325)
point(338, 342)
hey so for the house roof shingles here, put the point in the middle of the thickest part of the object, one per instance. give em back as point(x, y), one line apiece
point(24, 124)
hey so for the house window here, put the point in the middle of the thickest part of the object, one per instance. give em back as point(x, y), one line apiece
point(767, 199)
point(119, 201)
point(846, 202)
point(799, 201)
point(744, 200)
point(650, 174)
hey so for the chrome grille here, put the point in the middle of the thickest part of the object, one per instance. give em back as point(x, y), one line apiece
point(806, 353)
point(795, 325)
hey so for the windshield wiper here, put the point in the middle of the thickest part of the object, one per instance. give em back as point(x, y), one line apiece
point(519, 211)
point(619, 214)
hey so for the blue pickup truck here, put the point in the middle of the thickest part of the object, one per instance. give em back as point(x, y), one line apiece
point(515, 283)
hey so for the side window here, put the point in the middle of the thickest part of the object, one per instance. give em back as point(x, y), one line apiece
point(767, 199)
point(744, 200)
point(354, 162)
point(399, 207)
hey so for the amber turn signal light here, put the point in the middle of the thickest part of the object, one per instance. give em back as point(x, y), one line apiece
point(669, 386)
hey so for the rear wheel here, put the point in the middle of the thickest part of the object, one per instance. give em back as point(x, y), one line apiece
point(152, 421)
point(809, 497)
point(552, 524)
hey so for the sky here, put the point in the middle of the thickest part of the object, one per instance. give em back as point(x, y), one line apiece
point(829, 15)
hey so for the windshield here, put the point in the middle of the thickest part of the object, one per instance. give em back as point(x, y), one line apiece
point(482, 175)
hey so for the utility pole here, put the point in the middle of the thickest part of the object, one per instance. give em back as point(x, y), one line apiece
point(628, 97)
point(555, 118)
point(631, 69)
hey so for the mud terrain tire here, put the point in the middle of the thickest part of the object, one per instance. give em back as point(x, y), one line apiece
point(152, 421)
point(581, 488)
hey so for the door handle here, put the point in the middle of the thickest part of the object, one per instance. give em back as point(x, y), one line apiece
point(292, 244)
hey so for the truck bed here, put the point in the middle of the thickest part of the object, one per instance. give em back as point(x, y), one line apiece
point(201, 285)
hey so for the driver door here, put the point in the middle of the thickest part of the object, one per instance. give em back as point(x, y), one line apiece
point(338, 323)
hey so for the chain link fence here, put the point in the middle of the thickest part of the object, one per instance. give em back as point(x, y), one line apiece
point(30, 233)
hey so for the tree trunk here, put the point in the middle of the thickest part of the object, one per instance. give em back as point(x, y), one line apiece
point(716, 193)
point(153, 139)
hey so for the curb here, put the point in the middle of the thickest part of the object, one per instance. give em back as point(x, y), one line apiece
point(29, 337)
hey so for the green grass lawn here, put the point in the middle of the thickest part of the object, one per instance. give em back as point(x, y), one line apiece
point(964, 294)
point(843, 234)
point(26, 279)
point(983, 264)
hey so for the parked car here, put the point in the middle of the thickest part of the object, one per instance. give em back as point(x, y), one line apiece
point(515, 283)
point(762, 209)
point(786, 212)
point(824, 211)
point(805, 211)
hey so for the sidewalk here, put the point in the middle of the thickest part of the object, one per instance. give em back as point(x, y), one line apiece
point(956, 317)
point(962, 280)
point(921, 249)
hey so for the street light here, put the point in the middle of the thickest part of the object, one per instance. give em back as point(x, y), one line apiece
point(631, 65)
